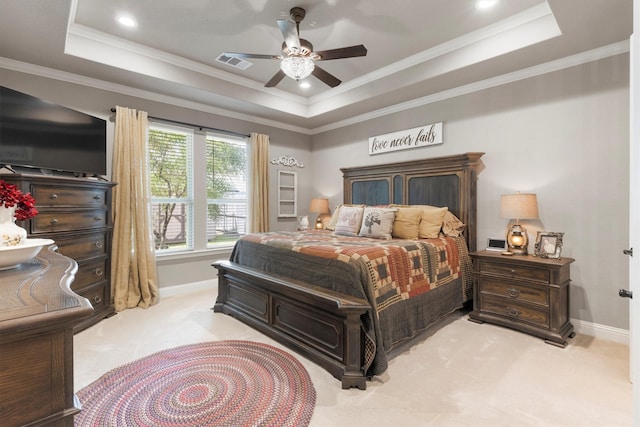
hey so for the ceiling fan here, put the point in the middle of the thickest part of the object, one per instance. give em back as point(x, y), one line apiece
point(298, 60)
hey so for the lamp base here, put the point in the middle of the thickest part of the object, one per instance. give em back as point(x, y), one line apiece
point(518, 251)
point(517, 239)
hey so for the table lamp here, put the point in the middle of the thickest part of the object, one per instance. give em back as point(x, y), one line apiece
point(321, 207)
point(518, 206)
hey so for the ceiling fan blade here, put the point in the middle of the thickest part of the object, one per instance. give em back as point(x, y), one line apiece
point(325, 77)
point(290, 34)
point(275, 79)
point(344, 52)
point(250, 55)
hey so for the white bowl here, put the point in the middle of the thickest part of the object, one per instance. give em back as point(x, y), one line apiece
point(13, 256)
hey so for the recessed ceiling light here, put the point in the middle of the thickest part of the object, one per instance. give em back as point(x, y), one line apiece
point(485, 4)
point(126, 21)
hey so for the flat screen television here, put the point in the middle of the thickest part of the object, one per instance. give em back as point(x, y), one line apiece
point(37, 134)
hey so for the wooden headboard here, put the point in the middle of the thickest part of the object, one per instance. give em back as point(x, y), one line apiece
point(440, 181)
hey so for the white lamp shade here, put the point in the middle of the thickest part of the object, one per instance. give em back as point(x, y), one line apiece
point(519, 206)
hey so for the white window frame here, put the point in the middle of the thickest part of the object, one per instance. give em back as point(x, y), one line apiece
point(197, 221)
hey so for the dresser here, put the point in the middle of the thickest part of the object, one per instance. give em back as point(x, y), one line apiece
point(75, 213)
point(38, 312)
point(526, 293)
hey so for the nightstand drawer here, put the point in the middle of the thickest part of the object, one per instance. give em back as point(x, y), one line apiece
point(49, 222)
point(515, 311)
point(514, 291)
point(69, 196)
point(519, 271)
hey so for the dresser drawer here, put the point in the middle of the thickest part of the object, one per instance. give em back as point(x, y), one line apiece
point(96, 295)
point(519, 271)
point(60, 196)
point(90, 272)
point(51, 222)
point(514, 291)
point(515, 311)
point(84, 247)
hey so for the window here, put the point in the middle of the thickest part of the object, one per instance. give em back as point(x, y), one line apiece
point(226, 189)
point(170, 156)
point(198, 188)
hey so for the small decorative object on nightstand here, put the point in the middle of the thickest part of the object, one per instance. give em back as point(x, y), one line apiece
point(526, 293)
point(518, 206)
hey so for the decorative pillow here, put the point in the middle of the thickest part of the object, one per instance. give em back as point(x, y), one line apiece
point(407, 223)
point(349, 220)
point(431, 223)
point(334, 219)
point(377, 222)
point(452, 226)
point(432, 220)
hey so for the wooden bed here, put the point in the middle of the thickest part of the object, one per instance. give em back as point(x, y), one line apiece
point(327, 326)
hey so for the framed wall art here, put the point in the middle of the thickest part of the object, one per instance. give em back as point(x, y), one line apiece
point(548, 244)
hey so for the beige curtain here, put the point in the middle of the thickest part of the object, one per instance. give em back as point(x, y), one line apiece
point(134, 280)
point(259, 183)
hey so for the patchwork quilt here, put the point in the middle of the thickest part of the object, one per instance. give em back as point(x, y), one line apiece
point(410, 284)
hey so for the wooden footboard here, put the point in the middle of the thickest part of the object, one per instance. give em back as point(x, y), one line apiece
point(320, 324)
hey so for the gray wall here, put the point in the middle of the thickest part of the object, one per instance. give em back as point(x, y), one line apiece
point(563, 136)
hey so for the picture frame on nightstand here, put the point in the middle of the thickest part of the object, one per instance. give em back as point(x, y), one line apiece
point(548, 244)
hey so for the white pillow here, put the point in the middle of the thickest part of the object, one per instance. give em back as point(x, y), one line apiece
point(349, 220)
point(377, 222)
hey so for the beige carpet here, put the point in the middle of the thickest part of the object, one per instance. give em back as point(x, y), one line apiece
point(461, 374)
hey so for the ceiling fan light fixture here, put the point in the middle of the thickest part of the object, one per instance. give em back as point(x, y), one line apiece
point(297, 67)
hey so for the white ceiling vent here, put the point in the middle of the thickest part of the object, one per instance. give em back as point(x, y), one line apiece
point(234, 62)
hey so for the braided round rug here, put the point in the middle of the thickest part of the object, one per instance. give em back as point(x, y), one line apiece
point(222, 383)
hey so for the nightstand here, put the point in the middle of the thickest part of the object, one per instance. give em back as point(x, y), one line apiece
point(523, 292)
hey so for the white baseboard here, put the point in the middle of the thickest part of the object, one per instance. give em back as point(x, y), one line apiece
point(601, 331)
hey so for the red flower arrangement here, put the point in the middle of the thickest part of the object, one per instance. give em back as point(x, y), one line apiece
point(11, 196)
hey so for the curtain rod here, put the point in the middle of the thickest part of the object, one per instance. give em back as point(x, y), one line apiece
point(229, 132)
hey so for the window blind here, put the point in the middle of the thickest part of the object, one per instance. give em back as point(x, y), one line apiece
point(170, 158)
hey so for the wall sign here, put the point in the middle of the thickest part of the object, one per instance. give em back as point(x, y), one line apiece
point(405, 139)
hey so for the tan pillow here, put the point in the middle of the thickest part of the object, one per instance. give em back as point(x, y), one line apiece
point(432, 220)
point(431, 223)
point(407, 223)
point(452, 226)
point(334, 219)
point(377, 222)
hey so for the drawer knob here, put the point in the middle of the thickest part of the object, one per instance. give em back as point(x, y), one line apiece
point(97, 299)
point(54, 221)
point(97, 219)
point(513, 312)
point(513, 272)
point(53, 196)
point(96, 197)
point(98, 245)
point(513, 293)
point(98, 271)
